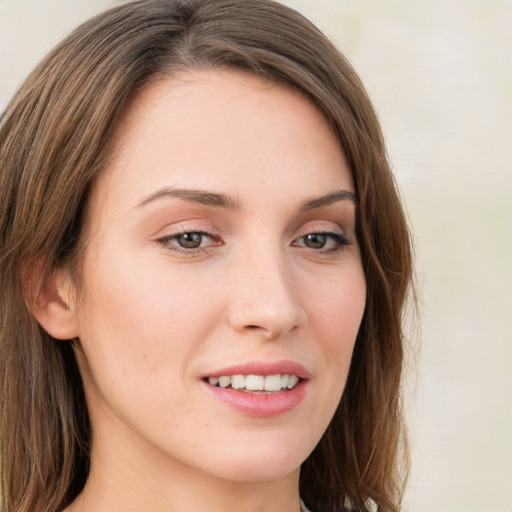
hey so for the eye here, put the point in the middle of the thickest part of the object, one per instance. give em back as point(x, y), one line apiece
point(188, 242)
point(315, 240)
point(323, 242)
point(191, 240)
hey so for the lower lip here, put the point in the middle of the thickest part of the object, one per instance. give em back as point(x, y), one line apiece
point(260, 404)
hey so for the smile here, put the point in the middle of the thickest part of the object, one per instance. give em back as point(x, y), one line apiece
point(255, 383)
point(261, 389)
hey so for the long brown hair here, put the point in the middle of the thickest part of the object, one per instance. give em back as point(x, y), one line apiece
point(54, 139)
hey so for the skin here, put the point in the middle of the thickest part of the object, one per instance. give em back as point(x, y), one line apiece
point(153, 320)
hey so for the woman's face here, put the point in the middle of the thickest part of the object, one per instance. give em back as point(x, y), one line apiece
point(221, 243)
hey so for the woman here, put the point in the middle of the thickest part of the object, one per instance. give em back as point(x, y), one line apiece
point(204, 265)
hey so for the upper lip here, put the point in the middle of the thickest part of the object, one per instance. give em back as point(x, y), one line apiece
point(263, 368)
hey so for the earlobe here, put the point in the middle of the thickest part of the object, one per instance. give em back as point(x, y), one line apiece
point(54, 307)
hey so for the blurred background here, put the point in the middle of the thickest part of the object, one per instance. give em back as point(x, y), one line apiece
point(440, 75)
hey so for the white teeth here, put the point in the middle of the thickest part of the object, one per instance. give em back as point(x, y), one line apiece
point(256, 382)
point(292, 381)
point(273, 383)
point(238, 381)
point(224, 382)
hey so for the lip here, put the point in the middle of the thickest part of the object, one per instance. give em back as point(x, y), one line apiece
point(263, 368)
point(261, 404)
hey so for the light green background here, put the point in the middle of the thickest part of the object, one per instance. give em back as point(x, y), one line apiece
point(440, 74)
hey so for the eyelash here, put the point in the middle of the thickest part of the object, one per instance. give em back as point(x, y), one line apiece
point(340, 241)
point(167, 242)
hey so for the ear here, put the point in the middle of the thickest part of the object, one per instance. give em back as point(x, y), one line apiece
point(54, 307)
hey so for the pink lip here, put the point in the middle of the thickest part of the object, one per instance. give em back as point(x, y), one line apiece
point(260, 368)
point(261, 404)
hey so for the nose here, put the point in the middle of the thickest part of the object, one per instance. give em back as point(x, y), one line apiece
point(265, 299)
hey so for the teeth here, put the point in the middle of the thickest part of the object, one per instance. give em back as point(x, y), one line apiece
point(256, 382)
point(224, 382)
point(238, 381)
point(292, 381)
point(273, 383)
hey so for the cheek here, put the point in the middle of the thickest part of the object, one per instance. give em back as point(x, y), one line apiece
point(140, 329)
point(143, 297)
point(139, 319)
point(336, 311)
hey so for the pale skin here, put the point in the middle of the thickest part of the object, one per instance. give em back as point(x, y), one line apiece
point(251, 173)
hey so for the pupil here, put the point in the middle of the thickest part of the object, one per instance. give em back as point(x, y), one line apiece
point(190, 240)
point(315, 240)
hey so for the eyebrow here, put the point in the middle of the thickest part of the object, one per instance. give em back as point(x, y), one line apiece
point(220, 200)
point(326, 200)
point(194, 196)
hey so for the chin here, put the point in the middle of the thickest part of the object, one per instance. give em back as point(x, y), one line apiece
point(260, 471)
point(264, 462)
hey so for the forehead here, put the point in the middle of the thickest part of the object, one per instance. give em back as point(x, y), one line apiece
point(223, 130)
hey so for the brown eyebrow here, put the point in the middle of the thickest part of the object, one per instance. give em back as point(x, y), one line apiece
point(333, 197)
point(220, 200)
point(195, 196)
